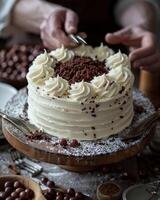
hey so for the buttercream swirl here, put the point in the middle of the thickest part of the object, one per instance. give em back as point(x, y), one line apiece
point(122, 76)
point(38, 75)
point(105, 87)
point(85, 50)
point(44, 59)
point(62, 54)
point(118, 59)
point(81, 91)
point(57, 87)
point(102, 52)
point(41, 69)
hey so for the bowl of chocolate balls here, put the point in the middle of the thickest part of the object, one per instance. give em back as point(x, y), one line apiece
point(15, 61)
point(19, 188)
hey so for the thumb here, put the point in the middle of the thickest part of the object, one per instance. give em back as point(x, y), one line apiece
point(120, 36)
point(71, 22)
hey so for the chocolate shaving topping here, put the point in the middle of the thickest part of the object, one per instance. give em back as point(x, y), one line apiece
point(38, 135)
point(80, 68)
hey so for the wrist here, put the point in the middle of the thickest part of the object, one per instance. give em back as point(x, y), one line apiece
point(28, 15)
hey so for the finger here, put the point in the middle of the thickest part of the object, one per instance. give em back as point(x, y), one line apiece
point(48, 41)
point(57, 39)
point(150, 60)
point(121, 36)
point(53, 35)
point(148, 48)
point(71, 22)
point(57, 31)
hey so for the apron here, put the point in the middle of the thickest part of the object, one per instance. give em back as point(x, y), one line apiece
point(95, 17)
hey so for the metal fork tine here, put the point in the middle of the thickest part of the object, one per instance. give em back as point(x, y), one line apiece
point(21, 163)
point(15, 121)
point(81, 39)
point(73, 37)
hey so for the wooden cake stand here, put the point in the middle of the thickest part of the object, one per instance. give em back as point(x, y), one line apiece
point(89, 155)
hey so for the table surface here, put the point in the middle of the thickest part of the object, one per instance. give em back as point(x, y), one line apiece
point(148, 170)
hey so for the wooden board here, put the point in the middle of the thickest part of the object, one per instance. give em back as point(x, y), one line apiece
point(114, 151)
point(73, 162)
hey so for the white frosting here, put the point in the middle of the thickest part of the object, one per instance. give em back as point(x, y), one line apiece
point(81, 91)
point(122, 76)
point(62, 54)
point(105, 87)
point(102, 52)
point(85, 111)
point(44, 60)
point(116, 60)
point(65, 119)
point(85, 50)
point(41, 69)
point(56, 87)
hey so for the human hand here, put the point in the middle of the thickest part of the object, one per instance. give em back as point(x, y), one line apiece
point(55, 28)
point(143, 46)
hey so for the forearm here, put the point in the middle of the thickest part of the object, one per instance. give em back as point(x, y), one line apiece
point(29, 15)
point(139, 13)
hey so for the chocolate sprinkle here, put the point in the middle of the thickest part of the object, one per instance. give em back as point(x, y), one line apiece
point(38, 135)
point(78, 69)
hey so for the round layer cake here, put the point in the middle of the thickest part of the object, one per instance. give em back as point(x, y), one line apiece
point(83, 94)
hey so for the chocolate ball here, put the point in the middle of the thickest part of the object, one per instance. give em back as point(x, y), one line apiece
point(66, 197)
point(19, 190)
point(10, 63)
point(17, 184)
point(52, 192)
point(3, 65)
point(74, 143)
point(50, 184)
point(8, 184)
point(14, 194)
point(15, 58)
point(72, 198)
point(63, 142)
point(59, 194)
point(22, 195)
point(47, 196)
point(71, 192)
point(59, 198)
point(4, 75)
point(8, 190)
point(29, 193)
point(3, 195)
point(79, 195)
point(23, 48)
point(10, 198)
point(44, 180)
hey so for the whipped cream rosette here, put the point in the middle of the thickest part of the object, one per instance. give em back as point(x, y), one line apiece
point(62, 54)
point(118, 59)
point(41, 69)
point(72, 91)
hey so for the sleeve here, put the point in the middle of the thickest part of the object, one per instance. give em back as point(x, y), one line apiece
point(6, 7)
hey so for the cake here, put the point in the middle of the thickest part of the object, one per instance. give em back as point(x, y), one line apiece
point(84, 93)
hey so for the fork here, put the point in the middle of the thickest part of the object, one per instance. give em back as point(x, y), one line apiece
point(20, 124)
point(77, 38)
point(23, 163)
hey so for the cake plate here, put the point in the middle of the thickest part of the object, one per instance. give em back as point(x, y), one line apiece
point(88, 155)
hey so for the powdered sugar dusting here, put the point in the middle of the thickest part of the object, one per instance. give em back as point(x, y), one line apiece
point(18, 108)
